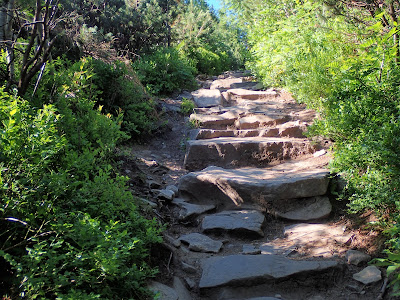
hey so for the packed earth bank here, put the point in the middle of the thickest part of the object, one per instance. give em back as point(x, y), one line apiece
point(247, 201)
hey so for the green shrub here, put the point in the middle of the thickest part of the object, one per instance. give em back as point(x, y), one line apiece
point(113, 87)
point(121, 90)
point(165, 71)
point(187, 106)
point(209, 62)
point(70, 229)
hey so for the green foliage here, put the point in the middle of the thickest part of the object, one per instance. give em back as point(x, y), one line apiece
point(187, 106)
point(165, 71)
point(208, 62)
point(70, 228)
point(341, 61)
point(113, 88)
point(121, 90)
point(130, 26)
point(211, 42)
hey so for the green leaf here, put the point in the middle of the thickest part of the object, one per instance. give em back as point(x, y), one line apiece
point(391, 269)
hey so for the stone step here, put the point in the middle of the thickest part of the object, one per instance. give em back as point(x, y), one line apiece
point(207, 98)
point(261, 120)
point(308, 209)
point(215, 121)
point(201, 243)
point(235, 83)
point(189, 210)
point(245, 270)
point(247, 222)
point(317, 240)
point(225, 84)
point(289, 129)
point(238, 95)
point(242, 152)
point(234, 188)
point(239, 120)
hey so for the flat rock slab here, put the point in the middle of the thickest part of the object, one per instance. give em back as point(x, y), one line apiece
point(214, 121)
point(248, 269)
point(207, 98)
point(203, 134)
point(189, 210)
point(368, 275)
point(236, 187)
point(225, 84)
point(247, 85)
point(256, 121)
point(304, 209)
point(250, 249)
point(243, 152)
point(201, 243)
point(243, 221)
point(243, 94)
point(355, 257)
point(316, 239)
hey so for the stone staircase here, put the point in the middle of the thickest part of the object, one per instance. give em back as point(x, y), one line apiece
point(253, 208)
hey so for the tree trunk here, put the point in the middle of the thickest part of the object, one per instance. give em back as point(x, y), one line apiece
point(6, 36)
point(392, 13)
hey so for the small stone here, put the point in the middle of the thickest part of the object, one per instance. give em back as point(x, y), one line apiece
point(368, 275)
point(170, 240)
point(190, 283)
point(250, 249)
point(243, 221)
point(173, 188)
point(188, 268)
point(166, 293)
point(353, 287)
point(279, 296)
point(355, 257)
point(190, 210)
point(176, 243)
point(148, 202)
point(362, 292)
point(166, 195)
point(201, 243)
point(153, 184)
point(319, 153)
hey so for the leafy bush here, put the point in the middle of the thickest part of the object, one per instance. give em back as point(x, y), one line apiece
point(165, 71)
point(187, 106)
point(114, 88)
point(209, 62)
point(70, 229)
point(121, 90)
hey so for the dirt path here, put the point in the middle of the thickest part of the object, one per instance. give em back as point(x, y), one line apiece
point(247, 202)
